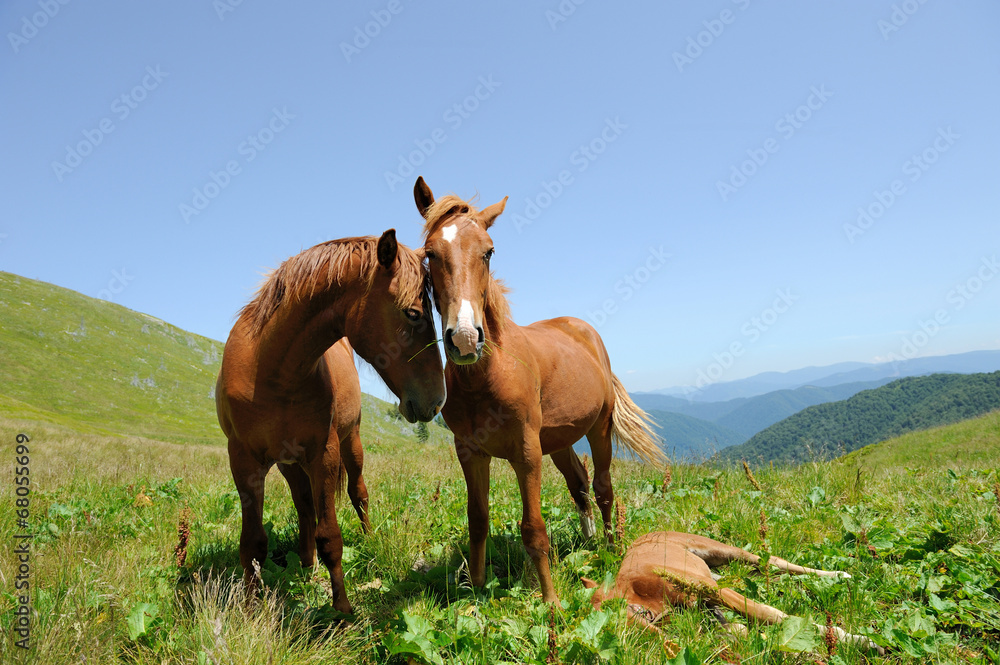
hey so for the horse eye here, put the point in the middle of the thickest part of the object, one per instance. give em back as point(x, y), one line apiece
point(488, 255)
point(414, 315)
point(430, 255)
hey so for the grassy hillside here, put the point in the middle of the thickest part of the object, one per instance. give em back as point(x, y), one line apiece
point(101, 368)
point(974, 441)
point(829, 430)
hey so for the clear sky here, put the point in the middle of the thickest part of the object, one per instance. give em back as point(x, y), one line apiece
point(686, 176)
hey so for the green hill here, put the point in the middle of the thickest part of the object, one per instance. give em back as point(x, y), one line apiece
point(754, 414)
point(970, 443)
point(828, 430)
point(100, 368)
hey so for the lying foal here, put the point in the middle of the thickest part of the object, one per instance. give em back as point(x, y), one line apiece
point(670, 568)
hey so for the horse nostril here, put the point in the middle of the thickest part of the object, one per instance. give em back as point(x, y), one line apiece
point(448, 342)
point(482, 337)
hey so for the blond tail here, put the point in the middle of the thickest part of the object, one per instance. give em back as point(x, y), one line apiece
point(633, 428)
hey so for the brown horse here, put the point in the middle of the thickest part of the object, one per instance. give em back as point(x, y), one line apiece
point(537, 390)
point(667, 568)
point(288, 391)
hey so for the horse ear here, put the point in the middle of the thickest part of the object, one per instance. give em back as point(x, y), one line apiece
point(598, 596)
point(387, 249)
point(489, 215)
point(423, 196)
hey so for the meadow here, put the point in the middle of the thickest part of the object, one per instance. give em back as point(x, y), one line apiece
point(914, 520)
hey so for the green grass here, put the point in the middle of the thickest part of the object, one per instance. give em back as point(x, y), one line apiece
point(969, 441)
point(928, 587)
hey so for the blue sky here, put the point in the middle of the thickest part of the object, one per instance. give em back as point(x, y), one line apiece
point(687, 177)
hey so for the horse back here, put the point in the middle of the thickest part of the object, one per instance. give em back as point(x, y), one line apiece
point(575, 375)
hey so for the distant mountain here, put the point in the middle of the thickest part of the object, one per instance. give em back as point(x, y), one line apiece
point(757, 413)
point(691, 439)
point(837, 374)
point(915, 403)
point(743, 417)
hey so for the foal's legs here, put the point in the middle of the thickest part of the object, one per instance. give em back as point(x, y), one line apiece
point(533, 534)
point(569, 465)
point(302, 497)
point(600, 446)
point(329, 541)
point(353, 457)
point(249, 477)
point(476, 468)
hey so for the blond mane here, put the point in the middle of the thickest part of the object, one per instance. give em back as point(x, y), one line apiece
point(325, 265)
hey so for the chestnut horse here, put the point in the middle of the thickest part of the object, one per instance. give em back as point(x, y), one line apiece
point(536, 391)
point(288, 391)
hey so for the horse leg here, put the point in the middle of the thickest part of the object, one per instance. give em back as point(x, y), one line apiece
point(302, 497)
point(249, 476)
point(533, 534)
point(476, 468)
point(324, 474)
point(353, 456)
point(572, 470)
point(600, 447)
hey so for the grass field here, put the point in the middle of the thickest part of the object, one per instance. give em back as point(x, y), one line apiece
point(920, 539)
point(124, 446)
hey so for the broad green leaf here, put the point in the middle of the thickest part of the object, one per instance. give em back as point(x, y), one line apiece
point(797, 635)
point(816, 495)
point(591, 627)
point(137, 621)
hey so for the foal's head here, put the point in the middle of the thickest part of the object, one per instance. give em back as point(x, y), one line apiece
point(458, 250)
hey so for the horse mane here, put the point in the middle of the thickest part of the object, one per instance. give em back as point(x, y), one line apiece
point(323, 266)
point(444, 208)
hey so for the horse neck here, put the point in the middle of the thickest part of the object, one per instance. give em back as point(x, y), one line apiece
point(300, 332)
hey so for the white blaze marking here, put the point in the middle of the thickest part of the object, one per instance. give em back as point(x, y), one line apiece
point(449, 232)
point(465, 314)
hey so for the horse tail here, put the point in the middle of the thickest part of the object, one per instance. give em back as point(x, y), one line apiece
point(633, 428)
